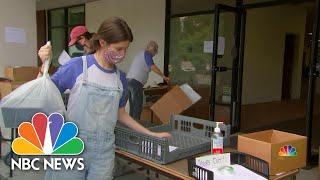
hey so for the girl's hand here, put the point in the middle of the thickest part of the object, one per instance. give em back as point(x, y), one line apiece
point(161, 135)
point(45, 52)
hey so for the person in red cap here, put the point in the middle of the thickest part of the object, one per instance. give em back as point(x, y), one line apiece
point(80, 37)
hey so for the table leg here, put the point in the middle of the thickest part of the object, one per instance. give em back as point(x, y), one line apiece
point(148, 172)
point(151, 116)
point(11, 152)
point(1, 138)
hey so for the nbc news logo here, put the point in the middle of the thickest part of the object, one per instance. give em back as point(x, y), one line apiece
point(48, 136)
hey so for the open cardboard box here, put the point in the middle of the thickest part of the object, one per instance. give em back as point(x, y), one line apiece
point(269, 145)
point(178, 99)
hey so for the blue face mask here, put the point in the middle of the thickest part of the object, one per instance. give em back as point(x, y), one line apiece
point(79, 46)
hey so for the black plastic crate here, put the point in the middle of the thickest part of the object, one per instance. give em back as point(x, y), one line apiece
point(252, 163)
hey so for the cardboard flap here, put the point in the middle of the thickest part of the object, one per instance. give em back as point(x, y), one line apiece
point(282, 137)
point(264, 136)
point(174, 102)
point(192, 95)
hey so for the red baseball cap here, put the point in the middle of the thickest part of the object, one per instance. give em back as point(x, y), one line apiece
point(75, 33)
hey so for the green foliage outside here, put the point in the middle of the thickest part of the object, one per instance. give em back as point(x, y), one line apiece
point(187, 37)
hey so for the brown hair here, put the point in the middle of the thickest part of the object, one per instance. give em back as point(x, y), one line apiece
point(87, 35)
point(112, 30)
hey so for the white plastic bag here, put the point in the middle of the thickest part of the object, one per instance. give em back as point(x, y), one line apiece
point(39, 95)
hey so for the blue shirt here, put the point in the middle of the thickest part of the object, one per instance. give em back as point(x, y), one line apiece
point(141, 67)
point(148, 59)
point(70, 76)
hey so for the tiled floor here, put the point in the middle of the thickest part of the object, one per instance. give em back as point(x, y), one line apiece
point(289, 116)
point(311, 174)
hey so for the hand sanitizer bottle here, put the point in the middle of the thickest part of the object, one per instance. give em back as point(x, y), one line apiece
point(217, 140)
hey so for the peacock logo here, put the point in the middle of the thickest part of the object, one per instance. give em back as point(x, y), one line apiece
point(48, 136)
point(287, 150)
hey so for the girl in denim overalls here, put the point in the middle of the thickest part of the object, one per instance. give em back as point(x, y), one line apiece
point(94, 105)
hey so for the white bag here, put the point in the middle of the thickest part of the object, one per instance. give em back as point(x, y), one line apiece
point(39, 95)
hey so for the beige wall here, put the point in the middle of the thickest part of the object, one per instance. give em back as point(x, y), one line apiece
point(19, 14)
point(264, 51)
point(146, 19)
point(264, 47)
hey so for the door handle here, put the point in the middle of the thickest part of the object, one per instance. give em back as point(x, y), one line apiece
point(222, 69)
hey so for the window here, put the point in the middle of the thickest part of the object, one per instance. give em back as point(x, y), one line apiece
point(188, 63)
point(60, 23)
point(189, 58)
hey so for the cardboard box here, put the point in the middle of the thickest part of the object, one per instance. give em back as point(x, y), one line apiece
point(7, 87)
point(178, 99)
point(20, 73)
point(268, 145)
point(148, 116)
point(201, 108)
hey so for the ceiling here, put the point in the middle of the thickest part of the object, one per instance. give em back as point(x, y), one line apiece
point(189, 6)
point(177, 6)
point(52, 4)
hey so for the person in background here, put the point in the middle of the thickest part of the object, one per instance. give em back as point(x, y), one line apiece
point(138, 75)
point(97, 99)
point(80, 37)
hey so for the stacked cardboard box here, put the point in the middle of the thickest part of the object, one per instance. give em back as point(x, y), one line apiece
point(7, 87)
point(19, 75)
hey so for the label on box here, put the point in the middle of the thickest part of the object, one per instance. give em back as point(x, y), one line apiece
point(215, 160)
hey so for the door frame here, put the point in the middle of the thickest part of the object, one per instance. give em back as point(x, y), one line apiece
point(237, 67)
point(312, 83)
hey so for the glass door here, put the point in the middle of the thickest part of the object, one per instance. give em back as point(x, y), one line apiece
point(313, 115)
point(227, 61)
